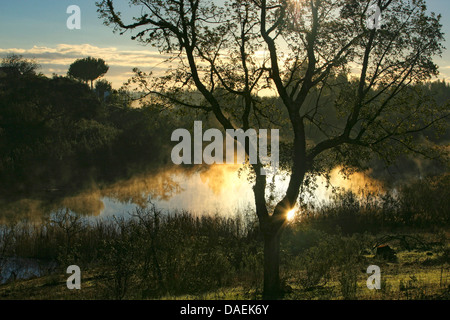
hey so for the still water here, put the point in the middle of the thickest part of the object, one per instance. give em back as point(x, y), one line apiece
point(222, 189)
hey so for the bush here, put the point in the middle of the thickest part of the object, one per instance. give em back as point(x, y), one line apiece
point(120, 260)
point(426, 202)
point(334, 255)
point(317, 262)
point(348, 282)
point(423, 203)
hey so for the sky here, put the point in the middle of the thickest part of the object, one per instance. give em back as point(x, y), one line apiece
point(37, 29)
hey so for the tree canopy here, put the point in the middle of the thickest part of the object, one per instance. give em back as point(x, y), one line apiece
point(88, 69)
point(19, 64)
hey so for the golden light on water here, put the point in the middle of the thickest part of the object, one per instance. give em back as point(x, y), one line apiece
point(210, 190)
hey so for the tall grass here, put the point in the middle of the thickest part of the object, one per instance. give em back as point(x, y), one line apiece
point(421, 204)
point(150, 254)
point(153, 254)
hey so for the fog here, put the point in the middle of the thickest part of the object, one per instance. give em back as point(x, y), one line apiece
point(217, 189)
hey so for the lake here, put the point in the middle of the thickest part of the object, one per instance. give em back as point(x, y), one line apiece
point(222, 189)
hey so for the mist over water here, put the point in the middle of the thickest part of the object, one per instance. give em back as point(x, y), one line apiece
point(217, 189)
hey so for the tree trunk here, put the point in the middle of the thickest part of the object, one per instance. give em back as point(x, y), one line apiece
point(272, 265)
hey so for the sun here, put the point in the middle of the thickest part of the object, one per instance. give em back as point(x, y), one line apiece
point(291, 215)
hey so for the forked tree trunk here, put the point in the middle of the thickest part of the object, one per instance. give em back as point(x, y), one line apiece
point(271, 227)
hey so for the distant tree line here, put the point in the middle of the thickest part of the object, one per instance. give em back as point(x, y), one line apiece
point(58, 134)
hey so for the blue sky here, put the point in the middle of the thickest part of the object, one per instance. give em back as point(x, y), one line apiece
point(37, 28)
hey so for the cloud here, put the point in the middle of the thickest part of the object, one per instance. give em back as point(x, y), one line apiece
point(444, 73)
point(58, 59)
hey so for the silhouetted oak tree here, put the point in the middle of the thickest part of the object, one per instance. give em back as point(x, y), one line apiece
point(305, 52)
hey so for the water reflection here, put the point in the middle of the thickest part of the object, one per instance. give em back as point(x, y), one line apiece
point(198, 190)
point(213, 189)
point(14, 268)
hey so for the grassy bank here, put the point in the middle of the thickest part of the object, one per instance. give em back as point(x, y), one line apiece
point(419, 273)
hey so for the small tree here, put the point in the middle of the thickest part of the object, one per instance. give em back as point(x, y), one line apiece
point(102, 87)
point(88, 69)
point(19, 64)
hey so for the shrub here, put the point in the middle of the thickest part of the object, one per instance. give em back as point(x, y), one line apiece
point(317, 262)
